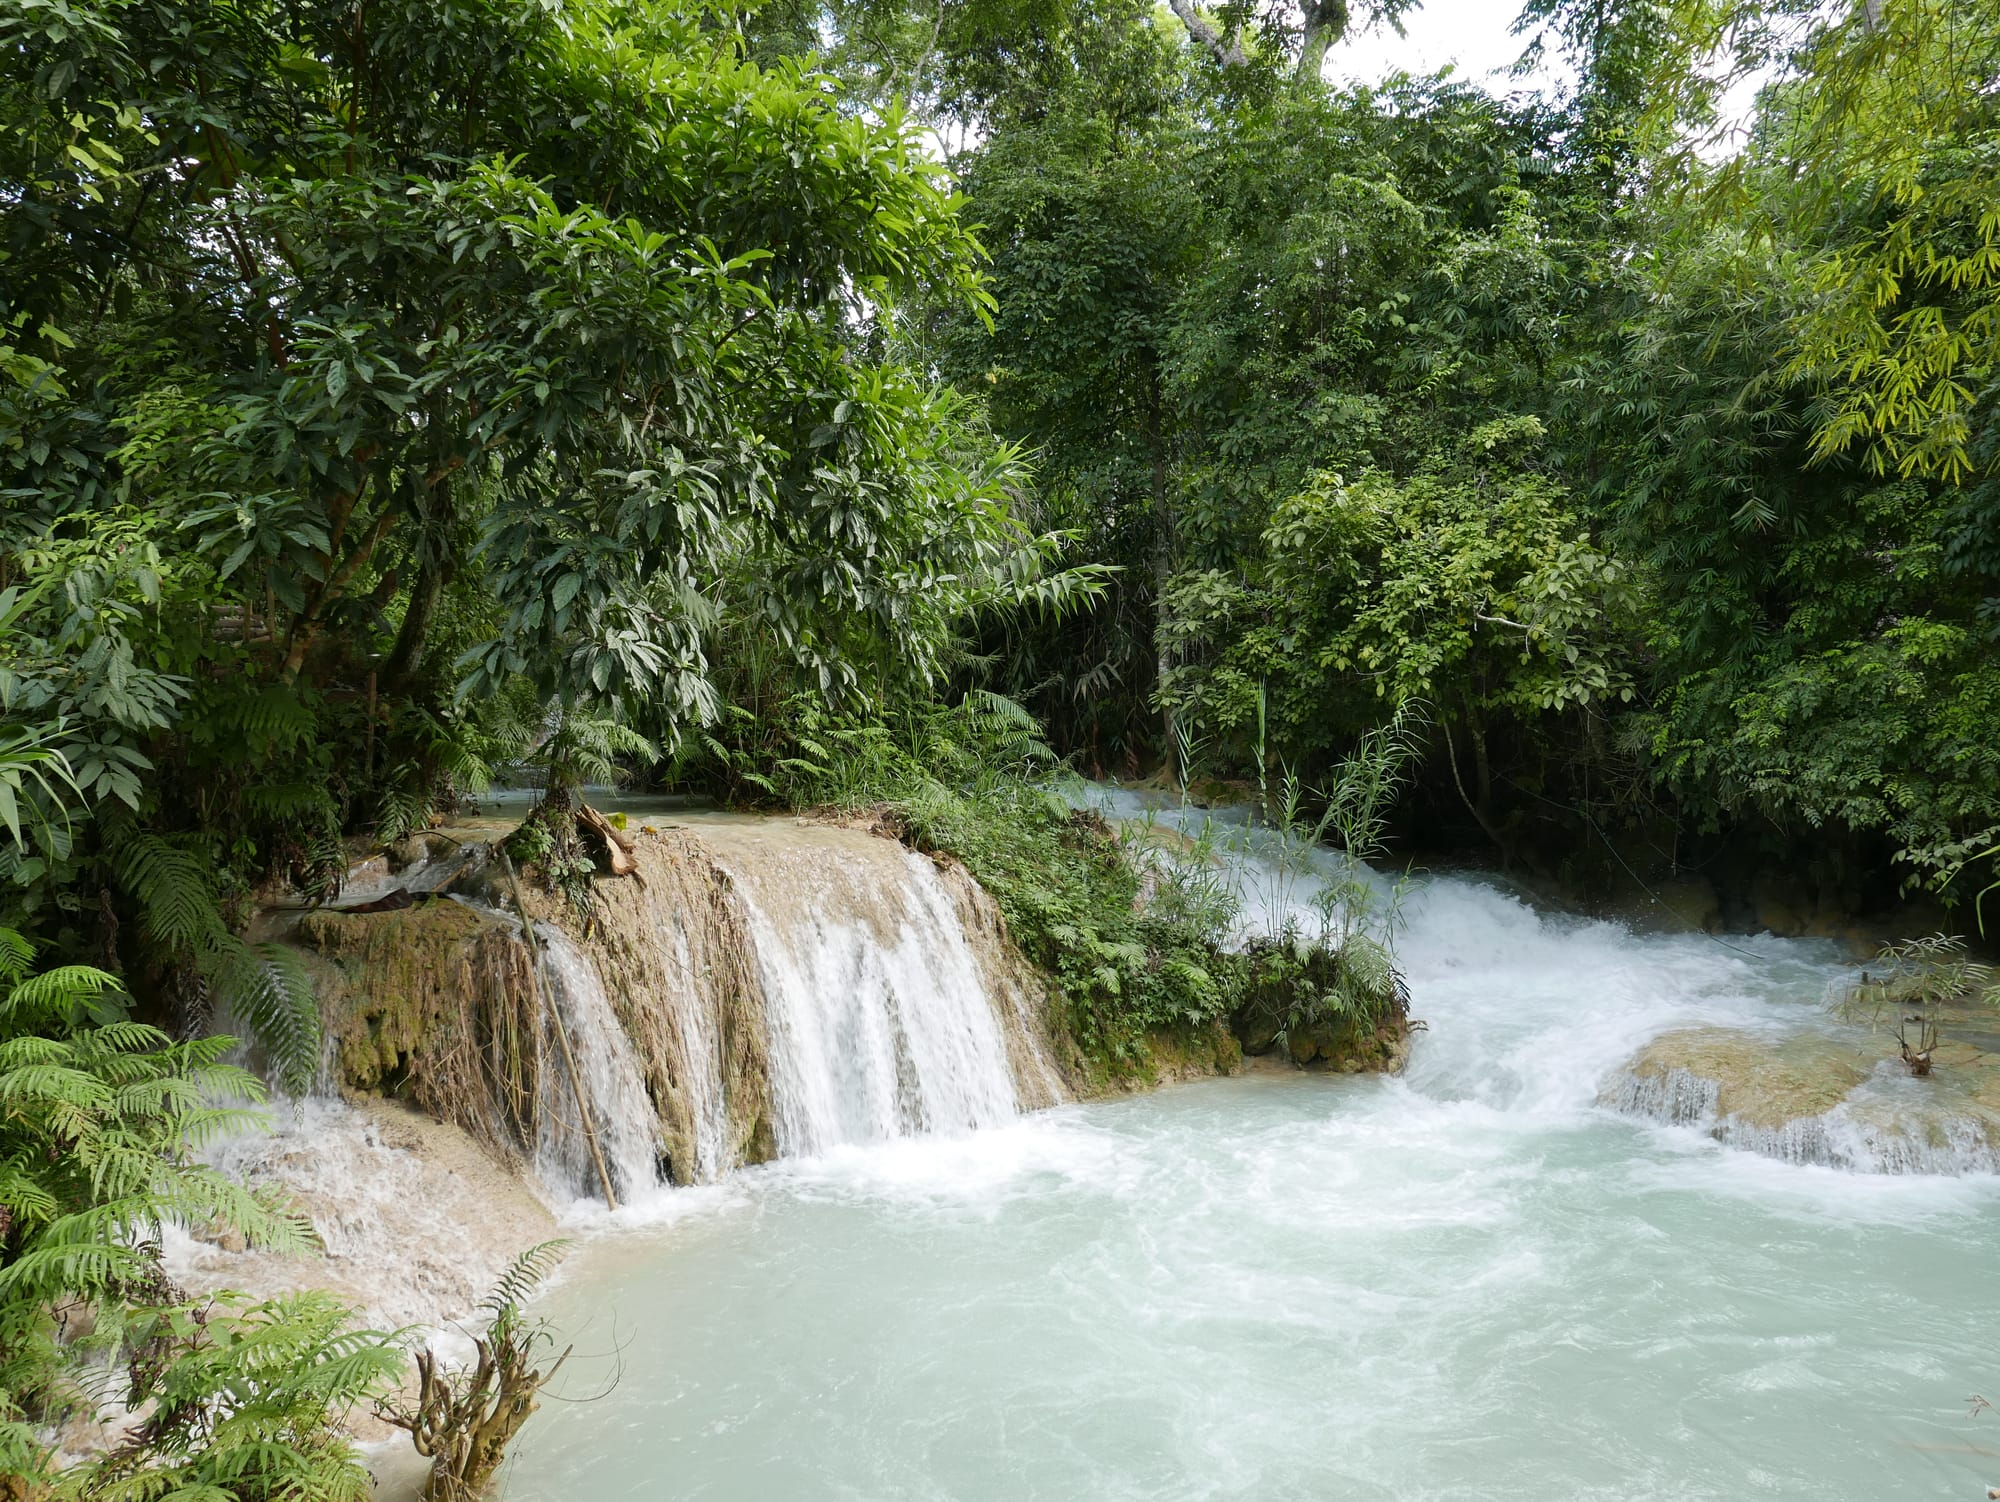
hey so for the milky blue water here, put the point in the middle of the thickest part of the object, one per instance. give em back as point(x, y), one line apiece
point(1471, 1282)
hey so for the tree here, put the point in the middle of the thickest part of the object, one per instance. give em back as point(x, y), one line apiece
point(387, 385)
point(1874, 153)
point(1473, 586)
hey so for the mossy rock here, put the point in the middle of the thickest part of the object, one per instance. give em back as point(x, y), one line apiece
point(430, 1003)
point(1759, 1082)
point(1285, 1006)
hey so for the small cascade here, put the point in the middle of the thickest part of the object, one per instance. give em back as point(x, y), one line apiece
point(1816, 1098)
point(786, 987)
point(879, 1015)
point(620, 1111)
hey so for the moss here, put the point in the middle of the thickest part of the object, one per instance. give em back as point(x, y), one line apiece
point(1759, 1082)
point(436, 1005)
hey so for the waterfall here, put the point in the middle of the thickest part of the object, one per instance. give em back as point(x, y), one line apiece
point(879, 1014)
point(775, 988)
point(620, 1113)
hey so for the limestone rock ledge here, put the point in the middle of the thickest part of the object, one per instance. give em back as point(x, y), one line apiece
point(1838, 1099)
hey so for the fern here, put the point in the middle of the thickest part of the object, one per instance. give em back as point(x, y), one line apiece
point(266, 987)
point(98, 1115)
point(524, 1275)
point(248, 1401)
point(585, 748)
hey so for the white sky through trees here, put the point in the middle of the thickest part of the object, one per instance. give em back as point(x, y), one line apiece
point(1473, 37)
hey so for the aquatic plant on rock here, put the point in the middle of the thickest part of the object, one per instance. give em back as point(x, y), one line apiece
point(1337, 1008)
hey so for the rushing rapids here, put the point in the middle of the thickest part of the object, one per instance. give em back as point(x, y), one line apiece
point(1472, 1281)
point(1548, 1226)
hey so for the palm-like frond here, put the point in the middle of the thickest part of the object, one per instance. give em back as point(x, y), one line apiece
point(266, 987)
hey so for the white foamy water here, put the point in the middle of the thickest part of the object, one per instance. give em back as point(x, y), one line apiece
point(1472, 1282)
point(876, 1007)
point(620, 1112)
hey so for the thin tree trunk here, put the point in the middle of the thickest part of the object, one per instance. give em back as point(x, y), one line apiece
point(1477, 807)
point(1162, 571)
point(406, 658)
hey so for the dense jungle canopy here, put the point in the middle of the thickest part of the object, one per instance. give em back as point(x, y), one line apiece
point(392, 391)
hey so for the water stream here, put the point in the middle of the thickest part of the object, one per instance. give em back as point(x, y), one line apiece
point(1471, 1282)
point(620, 1113)
point(875, 1003)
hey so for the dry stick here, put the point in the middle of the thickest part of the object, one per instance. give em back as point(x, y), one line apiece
point(562, 1038)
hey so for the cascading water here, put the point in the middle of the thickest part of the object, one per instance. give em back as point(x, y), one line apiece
point(879, 1014)
point(1473, 1281)
point(779, 988)
point(616, 1109)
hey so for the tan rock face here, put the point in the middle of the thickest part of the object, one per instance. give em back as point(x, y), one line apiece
point(673, 951)
point(1840, 1098)
point(433, 1004)
point(416, 1219)
point(1757, 1081)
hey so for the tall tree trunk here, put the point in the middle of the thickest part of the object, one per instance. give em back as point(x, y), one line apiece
point(1326, 23)
point(406, 658)
point(1163, 567)
point(1479, 805)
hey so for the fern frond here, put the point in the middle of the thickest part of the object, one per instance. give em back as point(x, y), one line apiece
point(268, 988)
point(524, 1275)
point(177, 906)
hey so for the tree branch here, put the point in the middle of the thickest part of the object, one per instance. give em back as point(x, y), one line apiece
point(1226, 50)
point(1326, 23)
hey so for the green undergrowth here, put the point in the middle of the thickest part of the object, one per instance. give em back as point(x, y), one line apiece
point(1130, 951)
point(1129, 928)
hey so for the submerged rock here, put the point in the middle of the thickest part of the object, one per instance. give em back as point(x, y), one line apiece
point(1838, 1099)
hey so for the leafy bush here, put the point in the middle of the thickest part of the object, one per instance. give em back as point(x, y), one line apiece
point(1129, 948)
point(99, 1117)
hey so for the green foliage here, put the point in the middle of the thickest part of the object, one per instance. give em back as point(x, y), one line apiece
point(1293, 986)
point(250, 1400)
point(99, 1116)
point(1474, 585)
point(1819, 639)
point(382, 391)
point(1128, 949)
point(1658, 460)
point(1205, 300)
point(1873, 155)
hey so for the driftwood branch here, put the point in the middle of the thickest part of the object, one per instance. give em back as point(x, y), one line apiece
point(618, 845)
point(462, 1422)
